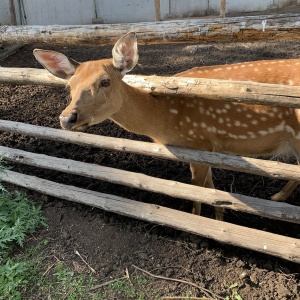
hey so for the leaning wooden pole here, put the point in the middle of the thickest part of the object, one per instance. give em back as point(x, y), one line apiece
point(246, 28)
point(268, 243)
point(227, 90)
point(255, 166)
point(264, 208)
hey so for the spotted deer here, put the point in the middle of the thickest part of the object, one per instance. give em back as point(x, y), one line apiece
point(98, 93)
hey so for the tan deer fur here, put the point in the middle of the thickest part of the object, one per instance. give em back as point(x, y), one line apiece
point(98, 93)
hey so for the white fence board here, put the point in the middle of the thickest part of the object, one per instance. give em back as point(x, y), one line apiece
point(81, 12)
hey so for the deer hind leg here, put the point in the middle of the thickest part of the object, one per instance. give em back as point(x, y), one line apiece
point(291, 185)
point(202, 176)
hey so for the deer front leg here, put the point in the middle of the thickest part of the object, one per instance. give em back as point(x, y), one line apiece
point(287, 190)
point(202, 176)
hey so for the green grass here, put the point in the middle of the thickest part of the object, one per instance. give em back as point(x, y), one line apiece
point(19, 217)
point(33, 275)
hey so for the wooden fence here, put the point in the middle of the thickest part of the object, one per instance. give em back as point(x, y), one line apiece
point(265, 242)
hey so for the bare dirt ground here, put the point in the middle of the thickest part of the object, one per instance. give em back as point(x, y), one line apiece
point(111, 243)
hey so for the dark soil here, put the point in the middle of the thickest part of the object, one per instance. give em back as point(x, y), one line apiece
point(111, 243)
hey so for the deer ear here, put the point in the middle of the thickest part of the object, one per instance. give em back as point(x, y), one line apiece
point(56, 63)
point(125, 53)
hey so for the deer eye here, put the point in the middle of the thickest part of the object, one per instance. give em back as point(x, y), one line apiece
point(105, 82)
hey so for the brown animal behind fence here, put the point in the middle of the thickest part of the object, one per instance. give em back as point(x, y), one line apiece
point(98, 92)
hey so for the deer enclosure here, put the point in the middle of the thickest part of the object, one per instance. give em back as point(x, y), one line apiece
point(122, 241)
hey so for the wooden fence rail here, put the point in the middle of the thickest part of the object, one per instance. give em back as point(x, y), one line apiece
point(273, 169)
point(227, 90)
point(257, 240)
point(246, 28)
point(263, 208)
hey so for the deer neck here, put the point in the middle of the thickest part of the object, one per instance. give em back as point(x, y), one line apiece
point(140, 112)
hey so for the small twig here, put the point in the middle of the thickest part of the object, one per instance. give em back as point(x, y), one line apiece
point(183, 298)
point(107, 283)
point(48, 269)
point(128, 277)
point(207, 292)
point(93, 270)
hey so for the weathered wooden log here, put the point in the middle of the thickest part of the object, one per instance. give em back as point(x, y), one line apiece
point(259, 167)
point(246, 28)
point(264, 208)
point(227, 90)
point(264, 242)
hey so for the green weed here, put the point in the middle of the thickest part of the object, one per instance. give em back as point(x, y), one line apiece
point(19, 217)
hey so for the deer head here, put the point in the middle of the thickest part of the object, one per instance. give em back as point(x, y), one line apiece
point(94, 85)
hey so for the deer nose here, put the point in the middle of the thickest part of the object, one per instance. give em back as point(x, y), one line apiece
point(67, 122)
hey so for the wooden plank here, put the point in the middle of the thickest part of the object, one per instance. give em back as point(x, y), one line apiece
point(246, 28)
point(255, 166)
point(157, 10)
point(225, 90)
point(264, 242)
point(222, 8)
point(264, 208)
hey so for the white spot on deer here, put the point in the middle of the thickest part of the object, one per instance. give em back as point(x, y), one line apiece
point(191, 132)
point(249, 116)
point(233, 136)
point(221, 132)
point(271, 114)
point(263, 132)
point(180, 123)
point(201, 110)
point(242, 137)
point(242, 66)
point(221, 120)
point(213, 115)
point(237, 123)
point(263, 118)
point(289, 129)
point(212, 129)
point(228, 68)
point(280, 127)
point(190, 105)
point(255, 70)
point(227, 106)
point(251, 134)
point(188, 119)
point(195, 124)
point(254, 122)
point(218, 111)
point(207, 112)
point(173, 111)
point(203, 125)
